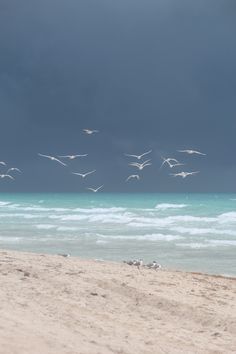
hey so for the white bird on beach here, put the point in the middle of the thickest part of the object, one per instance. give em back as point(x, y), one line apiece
point(13, 169)
point(52, 158)
point(6, 176)
point(168, 161)
point(153, 265)
point(140, 166)
point(83, 175)
point(184, 174)
point(72, 157)
point(132, 176)
point(95, 189)
point(3, 163)
point(139, 156)
point(138, 263)
point(191, 152)
point(89, 131)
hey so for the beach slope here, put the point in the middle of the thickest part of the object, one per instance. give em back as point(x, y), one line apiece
point(51, 304)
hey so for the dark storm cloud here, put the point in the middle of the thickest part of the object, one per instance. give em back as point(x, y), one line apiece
point(147, 74)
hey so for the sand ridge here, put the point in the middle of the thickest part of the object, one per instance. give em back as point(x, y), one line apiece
point(51, 304)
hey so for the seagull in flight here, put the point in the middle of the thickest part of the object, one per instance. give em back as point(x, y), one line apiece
point(132, 176)
point(13, 169)
point(95, 189)
point(140, 166)
point(72, 157)
point(175, 164)
point(184, 174)
point(52, 158)
point(139, 156)
point(6, 176)
point(83, 175)
point(191, 152)
point(89, 131)
point(3, 163)
point(168, 161)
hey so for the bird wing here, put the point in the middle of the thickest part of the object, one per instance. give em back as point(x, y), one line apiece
point(49, 157)
point(143, 163)
point(89, 173)
point(145, 153)
point(136, 164)
point(100, 187)
point(131, 155)
point(198, 152)
point(78, 174)
point(59, 161)
point(9, 176)
point(91, 189)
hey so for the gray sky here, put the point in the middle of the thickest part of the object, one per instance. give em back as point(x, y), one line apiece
point(148, 74)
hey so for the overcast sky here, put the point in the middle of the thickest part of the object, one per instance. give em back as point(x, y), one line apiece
point(149, 74)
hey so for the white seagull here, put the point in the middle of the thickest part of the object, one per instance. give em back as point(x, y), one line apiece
point(13, 169)
point(175, 164)
point(184, 174)
point(140, 166)
point(139, 156)
point(191, 152)
point(3, 163)
point(89, 131)
point(168, 161)
point(95, 189)
point(83, 175)
point(132, 176)
point(52, 158)
point(6, 176)
point(72, 157)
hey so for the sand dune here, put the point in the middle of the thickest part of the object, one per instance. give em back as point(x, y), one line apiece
point(51, 304)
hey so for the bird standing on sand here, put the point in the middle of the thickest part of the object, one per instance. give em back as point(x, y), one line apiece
point(52, 158)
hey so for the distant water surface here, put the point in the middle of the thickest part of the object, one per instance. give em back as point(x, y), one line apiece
point(184, 231)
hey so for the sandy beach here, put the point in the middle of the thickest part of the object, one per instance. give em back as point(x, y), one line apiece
point(52, 304)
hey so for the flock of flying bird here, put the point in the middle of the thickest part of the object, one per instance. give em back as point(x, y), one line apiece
point(139, 164)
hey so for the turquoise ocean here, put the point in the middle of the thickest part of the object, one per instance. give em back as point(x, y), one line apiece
point(195, 232)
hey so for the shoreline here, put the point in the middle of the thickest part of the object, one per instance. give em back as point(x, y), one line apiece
point(52, 304)
point(164, 268)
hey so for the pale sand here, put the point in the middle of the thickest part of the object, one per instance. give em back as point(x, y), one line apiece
point(51, 304)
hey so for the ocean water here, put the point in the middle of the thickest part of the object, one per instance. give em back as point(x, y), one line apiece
point(194, 232)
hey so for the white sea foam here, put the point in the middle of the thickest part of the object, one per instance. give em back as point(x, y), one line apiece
point(147, 237)
point(67, 228)
point(45, 226)
point(99, 210)
point(229, 217)
point(4, 203)
point(164, 206)
point(202, 231)
point(194, 245)
point(223, 242)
